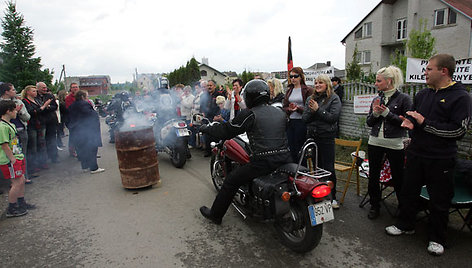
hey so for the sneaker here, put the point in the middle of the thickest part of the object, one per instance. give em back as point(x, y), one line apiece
point(335, 204)
point(16, 212)
point(98, 170)
point(435, 249)
point(27, 206)
point(85, 170)
point(59, 148)
point(393, 230)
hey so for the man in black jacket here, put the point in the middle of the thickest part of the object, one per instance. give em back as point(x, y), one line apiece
point(266, 129)
point(439, 118)
point(49, 120)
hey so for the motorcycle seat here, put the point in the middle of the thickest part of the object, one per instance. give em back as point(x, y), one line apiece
point(291, 169)
point(243, 144)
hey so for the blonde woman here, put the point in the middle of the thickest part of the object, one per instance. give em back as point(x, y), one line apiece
point(321, 115)
point(276, 92)
point(386, 135)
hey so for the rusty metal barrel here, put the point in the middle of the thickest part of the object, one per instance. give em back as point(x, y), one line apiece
point(137, 157)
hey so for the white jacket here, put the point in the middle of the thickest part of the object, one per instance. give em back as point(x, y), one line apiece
point(229, 105)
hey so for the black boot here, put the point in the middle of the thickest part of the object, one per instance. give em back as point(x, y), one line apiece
point(206, 212)
point(373, 213)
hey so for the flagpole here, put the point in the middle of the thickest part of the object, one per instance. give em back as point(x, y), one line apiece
point(289, 57)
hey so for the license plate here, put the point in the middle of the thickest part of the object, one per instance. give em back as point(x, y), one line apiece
point(321, 213)
point(181, 132)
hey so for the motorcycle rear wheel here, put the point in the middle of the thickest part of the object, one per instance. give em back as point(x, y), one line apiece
point(179, 156)
point(295, 228)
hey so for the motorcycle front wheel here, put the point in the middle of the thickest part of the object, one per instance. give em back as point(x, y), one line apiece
point(179, 156)
point(295, 230)
point(217, 172)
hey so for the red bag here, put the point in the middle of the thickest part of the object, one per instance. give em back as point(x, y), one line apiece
point(386, 172)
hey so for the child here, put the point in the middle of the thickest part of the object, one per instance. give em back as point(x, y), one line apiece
point(223, 114)
point(12, 163)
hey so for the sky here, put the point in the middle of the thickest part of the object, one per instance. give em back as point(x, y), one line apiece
point(113, 37)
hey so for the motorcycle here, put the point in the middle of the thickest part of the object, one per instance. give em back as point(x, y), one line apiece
point(295, 198)
point(100, 107)
point(172, 138)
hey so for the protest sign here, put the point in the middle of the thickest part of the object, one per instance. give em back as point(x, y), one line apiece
point(311, 74)
point(362, 103)
point(415, 69)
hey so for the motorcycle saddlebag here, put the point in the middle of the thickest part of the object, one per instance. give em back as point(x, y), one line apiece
point(267, 191)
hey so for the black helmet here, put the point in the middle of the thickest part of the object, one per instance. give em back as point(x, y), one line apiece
point(256, 92)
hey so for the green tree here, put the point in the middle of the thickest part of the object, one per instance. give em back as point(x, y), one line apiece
point(185, 75)
point(420, 44)
point(353, 69)
point(17, 64)
point(246, 76)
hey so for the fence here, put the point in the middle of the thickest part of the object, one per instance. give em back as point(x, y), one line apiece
point(353, 125)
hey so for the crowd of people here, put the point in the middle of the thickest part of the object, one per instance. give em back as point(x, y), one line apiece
point(31, 135)
point(435, 119)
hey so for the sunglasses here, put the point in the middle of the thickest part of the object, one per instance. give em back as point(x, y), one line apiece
point(295, 76)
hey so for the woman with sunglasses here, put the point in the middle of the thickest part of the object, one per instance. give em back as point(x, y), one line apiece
point(293, 104)
point(321, 115)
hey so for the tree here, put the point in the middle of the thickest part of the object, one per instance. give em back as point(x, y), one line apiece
point(18, 66)
point(420, 45)
point(185, 75)
point(246, 76)
point(353, 69)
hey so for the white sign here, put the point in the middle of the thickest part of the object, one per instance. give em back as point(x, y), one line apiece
point(415, 69)
point(362, 103)
point(311, 74)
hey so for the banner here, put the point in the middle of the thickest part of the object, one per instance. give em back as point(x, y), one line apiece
point(310, 74)
point(415, 69)
point(362, 103)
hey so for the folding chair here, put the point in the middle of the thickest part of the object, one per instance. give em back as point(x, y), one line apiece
point(462, 198)
point(384, 184)
point(343, 166)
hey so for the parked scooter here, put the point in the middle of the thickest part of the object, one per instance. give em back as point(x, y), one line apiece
point(296, 199)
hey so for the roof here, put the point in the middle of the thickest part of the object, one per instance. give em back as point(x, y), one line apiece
point(462, 6)
point(203, 64)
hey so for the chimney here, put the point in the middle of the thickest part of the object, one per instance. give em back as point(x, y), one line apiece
point(205, 61)
point(328, 63)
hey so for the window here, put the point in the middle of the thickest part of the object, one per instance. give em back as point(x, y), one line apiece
point(203, 73)
point(439, 17)
point(401, 29)
point(367, 29)
point(359, 57)
point(366, 56)
point(451, 17)
point(358, 34)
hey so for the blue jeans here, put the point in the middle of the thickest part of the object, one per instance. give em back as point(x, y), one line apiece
point(296, 135)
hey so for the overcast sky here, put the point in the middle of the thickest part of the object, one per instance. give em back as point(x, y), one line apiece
point(113, 37)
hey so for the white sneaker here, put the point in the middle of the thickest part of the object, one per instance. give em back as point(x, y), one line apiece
point(393, 230)
point(59, 148)
point(335, 204)
point(98, 170)
point(435, 248)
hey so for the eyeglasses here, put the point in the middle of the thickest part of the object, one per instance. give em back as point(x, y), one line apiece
point(294, 76)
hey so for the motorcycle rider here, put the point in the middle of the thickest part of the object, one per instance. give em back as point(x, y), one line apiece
point(118, 105)
point(266, 129)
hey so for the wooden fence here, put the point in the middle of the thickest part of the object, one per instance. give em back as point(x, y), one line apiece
point(353, 125)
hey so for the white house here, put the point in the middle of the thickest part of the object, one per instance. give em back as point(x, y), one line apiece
point(387, 26)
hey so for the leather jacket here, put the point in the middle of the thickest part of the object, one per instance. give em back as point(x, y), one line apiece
point(398, 105)
point(322, 123)
point(265, 126)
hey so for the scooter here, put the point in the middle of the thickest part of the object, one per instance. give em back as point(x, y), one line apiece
point(295, 198)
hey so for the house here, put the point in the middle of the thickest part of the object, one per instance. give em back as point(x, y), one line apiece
point(386, 28)
point(209, 73)
point(93, 84)
point(150, 81)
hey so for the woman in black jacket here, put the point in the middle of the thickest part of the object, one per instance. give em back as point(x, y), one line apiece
point(35, 150)
point(321, 115)
point(386, 135)
point(85, 124)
